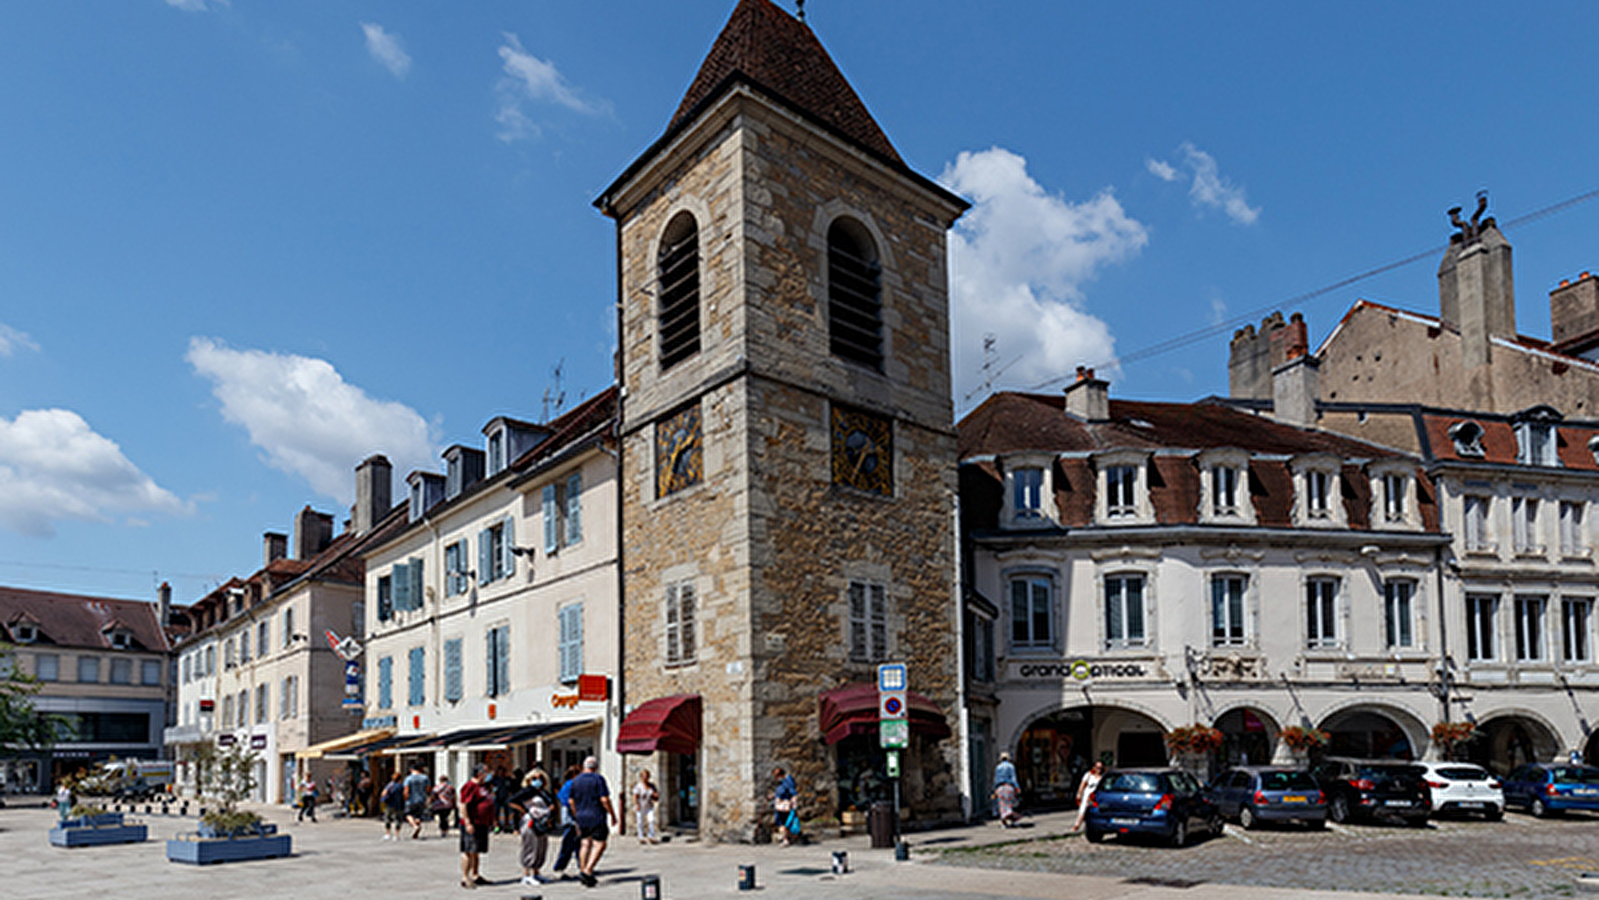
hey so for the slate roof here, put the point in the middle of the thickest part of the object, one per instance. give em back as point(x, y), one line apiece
point(73, 620)
point(766, 46)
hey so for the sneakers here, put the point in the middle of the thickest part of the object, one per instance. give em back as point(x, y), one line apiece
point(588, 879)
point(529, 880)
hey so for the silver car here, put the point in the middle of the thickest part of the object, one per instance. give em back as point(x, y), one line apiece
point(1464, 788)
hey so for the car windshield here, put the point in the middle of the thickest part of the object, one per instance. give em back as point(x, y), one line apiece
point(1463, 773)
point(1576, 775)
point(1135, 783)
point(1287, 781)
point(1387, 774)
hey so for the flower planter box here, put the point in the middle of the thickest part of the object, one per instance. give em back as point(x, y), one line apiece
point(852, 822)
point(203, 851)
point(97, 830)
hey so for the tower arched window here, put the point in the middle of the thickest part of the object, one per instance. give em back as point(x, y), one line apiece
point(678, 277)
point(854, 295)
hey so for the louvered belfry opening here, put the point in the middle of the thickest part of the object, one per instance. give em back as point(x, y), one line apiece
point(854, 295)
point(679, 282)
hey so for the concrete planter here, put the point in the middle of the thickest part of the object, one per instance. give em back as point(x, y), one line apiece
point(97, 830)
point(205, 847)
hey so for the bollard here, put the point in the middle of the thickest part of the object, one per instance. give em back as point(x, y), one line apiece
point(902, 851)
point(746, 878)
point(650, 888)
point(840, 862)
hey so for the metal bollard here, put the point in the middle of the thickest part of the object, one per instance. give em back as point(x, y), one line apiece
point(840, 862)
point(746, 878)
point(902, 851)
point(650, 888)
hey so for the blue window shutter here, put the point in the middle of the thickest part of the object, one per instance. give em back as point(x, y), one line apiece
point(418, 692)
point(452, 669)
point(401, 587)
point(574, 509)
point(507, 541)
point(502, 661)
point(385, 683)
point(490, 657)
point(485, 558)
point(416, 584)
point(552, 526)
point(572, 642)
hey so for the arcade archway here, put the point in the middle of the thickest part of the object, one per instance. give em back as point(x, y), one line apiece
point(1249, 737)
point(1509, 740)
point(1371, 733)
point(1055, 749)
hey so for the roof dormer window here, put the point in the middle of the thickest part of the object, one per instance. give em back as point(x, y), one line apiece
point(1318, 495)
point(1394, 495)
point(24, 632)
point(1029, 498)
point(496, 451)
point(1121, 491)
point(1536, 440)
point(1467, 436)
point(1224, 487)
point(1123, 488)
point(121, 640)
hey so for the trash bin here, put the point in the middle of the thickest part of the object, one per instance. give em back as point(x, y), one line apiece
point(880, 824)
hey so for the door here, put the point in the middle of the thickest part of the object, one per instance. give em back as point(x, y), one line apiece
point(686, 770)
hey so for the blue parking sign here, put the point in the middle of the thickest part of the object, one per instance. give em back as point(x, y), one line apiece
point(892, 677)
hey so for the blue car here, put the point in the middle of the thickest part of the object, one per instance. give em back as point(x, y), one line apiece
point(1166, 803)
point(1547, 788)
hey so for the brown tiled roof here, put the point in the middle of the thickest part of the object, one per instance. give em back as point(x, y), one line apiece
point(766, 46)
point(72, 620)
point(1499, 444)
point(573, 425)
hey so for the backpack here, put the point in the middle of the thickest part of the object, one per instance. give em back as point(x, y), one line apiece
point(538, 818)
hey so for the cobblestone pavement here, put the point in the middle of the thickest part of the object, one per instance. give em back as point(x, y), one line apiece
point(1517, 857)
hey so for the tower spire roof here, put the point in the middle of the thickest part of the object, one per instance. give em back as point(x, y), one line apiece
point(766, 46)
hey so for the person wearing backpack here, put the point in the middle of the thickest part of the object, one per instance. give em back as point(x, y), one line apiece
point(393, 802)
point(441, 802)
point(537, 813)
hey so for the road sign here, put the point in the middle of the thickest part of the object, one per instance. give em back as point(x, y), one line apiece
point(891, 705)
point(894, 734)
point(893, 763)
point(892, 677)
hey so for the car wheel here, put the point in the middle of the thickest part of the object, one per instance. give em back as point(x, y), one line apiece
point(1179, 834)
point(1538, 809)
point(1417, 822)
point(1094, 837)
point(1495, 814)
point(1339, 810)
point(1247, 818)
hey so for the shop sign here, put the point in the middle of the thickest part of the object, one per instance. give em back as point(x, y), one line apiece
point(258, 742)
point(380, 722)
point(590, 689)
point(226, 740)
point(352, 685)
point(1079, 670)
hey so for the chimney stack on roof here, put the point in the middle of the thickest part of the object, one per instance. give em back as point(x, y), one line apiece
point(1295, 388)
point(1574, 308)
point(1476, 292)
point(1254, 355)
point(313, 532)
point(1088, 398)
point(163, 604)
point(374, 492)
point(274, 546)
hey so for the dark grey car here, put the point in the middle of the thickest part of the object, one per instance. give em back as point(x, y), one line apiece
point(1256, 794)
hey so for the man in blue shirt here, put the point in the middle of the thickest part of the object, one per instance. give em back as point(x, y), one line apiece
point(417, 785)
point(590, 802)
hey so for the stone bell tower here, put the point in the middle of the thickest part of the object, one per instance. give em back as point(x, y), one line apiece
point(788, 450)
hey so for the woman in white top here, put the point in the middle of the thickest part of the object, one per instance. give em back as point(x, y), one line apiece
point(1085, 792)
point(645, 797)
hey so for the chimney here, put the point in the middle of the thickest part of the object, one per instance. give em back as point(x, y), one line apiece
point(1088, 398)
point(1476, 292)
point(163, 604)
point(1295, 387)
point(274, 546)
point(1574, 308)
point(313, 532)
point(374, 486)
point(1254, 354)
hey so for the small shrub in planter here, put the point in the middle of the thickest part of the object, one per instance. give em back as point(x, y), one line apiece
point(226, 833)
point(91, 826)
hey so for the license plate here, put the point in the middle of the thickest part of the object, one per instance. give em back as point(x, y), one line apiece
point(1124, 821)
point(1585, 792)
point(1295, 798)
point(1470, 805)
point(1396, 803)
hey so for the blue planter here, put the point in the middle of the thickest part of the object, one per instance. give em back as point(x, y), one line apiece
point(99, 820)
point(64, 836)
point(203, 852)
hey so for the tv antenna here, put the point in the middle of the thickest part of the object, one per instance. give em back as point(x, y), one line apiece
point(555, 395)
point(990, 357)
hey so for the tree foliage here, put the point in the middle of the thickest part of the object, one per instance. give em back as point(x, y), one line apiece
point(21, 725)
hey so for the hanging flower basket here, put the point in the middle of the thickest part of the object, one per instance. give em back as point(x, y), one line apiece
point(1304, 740)
point(1196, 740)
point(1450, 737)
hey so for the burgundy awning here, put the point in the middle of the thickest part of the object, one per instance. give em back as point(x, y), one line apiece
point(852, 709)
point(670, 723)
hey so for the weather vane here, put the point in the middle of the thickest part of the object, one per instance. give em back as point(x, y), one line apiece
point(799, 9)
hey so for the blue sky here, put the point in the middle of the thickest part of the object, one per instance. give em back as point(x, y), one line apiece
point(245, 244)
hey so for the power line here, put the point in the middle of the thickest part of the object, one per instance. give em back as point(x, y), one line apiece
point(1201, 334)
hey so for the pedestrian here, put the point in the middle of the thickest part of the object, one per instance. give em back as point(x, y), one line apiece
point(504, 785)
point(476, 804)
point(1006, 791)
point(442, 803)
point(590, 800)
point(785, 807)
point(645, 796)
point(1085, 791)
point(417, 787)
point(537, 809)
point(64, 800)
point(569, 836)
point(307, 799)
point(361, 801)
point(393, 802)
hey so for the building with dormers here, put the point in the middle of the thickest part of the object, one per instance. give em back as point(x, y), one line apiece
point(786, 442)
point(491, 611)
point(102, 666)
point(1131, 568)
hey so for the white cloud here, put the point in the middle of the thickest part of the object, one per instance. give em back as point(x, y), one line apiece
point(307, 419)
point(1019, 259)
point(54, 468)
point(12, 340)
point(1209, 188)
point(196, 5)
point(527, 80)
point(386, 49)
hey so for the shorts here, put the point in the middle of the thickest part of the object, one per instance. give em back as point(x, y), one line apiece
point(416, 811)
point(392, 815)
point(476, 840)
point(598, 832)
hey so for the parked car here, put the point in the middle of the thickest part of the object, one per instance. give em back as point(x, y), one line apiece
point(1464, 788)
point(1167, 803)
point(1546, 788)
point(1256, 794)
point(1369, 789)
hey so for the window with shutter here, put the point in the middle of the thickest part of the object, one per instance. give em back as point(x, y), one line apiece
point(415, 572)
point(385, 684)
point(502, 661)
point(452, 670)
point(385, 603)
point(854, 295)
point(571, 642)
point(401, 576)
point(678, 279)
point(868, 622)
point(417, 693)
point(680, 638)
point(485, 557)
point(552, 521)
point(507, 542)
point(491, 657)
point(574, 509)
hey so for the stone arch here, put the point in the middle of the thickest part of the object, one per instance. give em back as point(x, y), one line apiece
point(1358, 728)
point(1250, 733)
point(1511, 736)
point(1054, 745)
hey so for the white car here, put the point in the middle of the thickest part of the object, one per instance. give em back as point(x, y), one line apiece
point(1464, 788)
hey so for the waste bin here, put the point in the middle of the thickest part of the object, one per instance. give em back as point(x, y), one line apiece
point(880, 824)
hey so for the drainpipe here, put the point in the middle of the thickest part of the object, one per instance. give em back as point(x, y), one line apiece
point(621, 545)
point(963, 718)
point(1443, 632)
point(435, 649)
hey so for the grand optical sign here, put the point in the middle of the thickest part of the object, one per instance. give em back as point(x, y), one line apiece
point(1079, 670)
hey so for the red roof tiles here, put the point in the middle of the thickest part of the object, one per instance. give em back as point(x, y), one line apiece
point(73, 620)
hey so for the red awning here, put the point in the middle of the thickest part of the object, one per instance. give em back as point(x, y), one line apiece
point(670, 723)
point(852, 709)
